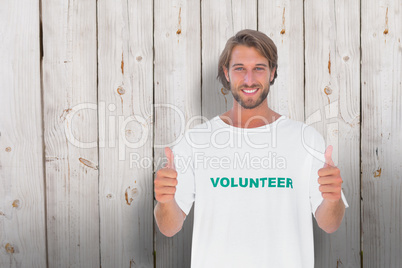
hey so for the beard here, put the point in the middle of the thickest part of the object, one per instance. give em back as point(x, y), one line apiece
point(248, 102)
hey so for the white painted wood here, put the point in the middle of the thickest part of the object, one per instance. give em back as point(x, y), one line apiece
point(332, 67)
point(220, 21)
point(381, 133)
point(282, 21)
point(22, 204)
point(125, 73)
point(177, 82)
point(70, 96)
point(120, 232)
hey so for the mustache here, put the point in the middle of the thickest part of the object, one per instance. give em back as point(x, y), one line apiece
point(252, 86)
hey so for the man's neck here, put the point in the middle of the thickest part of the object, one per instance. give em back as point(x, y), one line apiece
point(249, 118)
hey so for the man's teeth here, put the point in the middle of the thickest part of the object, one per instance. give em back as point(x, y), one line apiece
point(250, 90)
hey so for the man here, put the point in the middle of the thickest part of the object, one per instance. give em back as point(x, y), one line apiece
point(255, 175)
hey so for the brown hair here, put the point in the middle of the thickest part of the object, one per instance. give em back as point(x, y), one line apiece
point(250, 38)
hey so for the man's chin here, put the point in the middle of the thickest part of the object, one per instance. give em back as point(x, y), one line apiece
point(249, 106)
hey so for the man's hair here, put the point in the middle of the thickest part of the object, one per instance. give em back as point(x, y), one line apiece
point(250, 38)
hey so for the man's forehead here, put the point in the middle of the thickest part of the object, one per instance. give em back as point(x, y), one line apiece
point(245, 55)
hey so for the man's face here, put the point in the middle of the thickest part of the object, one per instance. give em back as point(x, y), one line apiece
point(249, 76)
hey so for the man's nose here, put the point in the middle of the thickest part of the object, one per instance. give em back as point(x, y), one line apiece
point(249, 78)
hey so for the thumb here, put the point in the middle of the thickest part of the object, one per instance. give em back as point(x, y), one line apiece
point(328, 156)
point(170, 159)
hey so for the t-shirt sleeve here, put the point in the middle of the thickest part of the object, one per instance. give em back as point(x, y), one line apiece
point(185, 188)
point(318, 161)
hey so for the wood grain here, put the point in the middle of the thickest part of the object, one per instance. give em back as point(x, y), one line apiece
point(22, 199)
point(332, 67)
point(71, 132)
point(282, 21)
point(125, 132)
point(177, 82)
point(381, 133)
point(120, 80)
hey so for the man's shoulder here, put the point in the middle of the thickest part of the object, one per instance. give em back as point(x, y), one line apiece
point(195, 133)
point(202, 126)
point(301, 128)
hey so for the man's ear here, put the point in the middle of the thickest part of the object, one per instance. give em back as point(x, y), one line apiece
point(225, 70)
point(272, 74)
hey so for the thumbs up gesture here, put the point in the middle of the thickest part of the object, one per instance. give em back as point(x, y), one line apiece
point(330, 178)
point(166, 180)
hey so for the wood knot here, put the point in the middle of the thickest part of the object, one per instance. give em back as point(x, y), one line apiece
point(121, 91)
point(130, 133)
point(224, 91)
point(16, 203)
point(377, 173)
point(328, 91)
point(88, 163)
point(130, 195)
point(9, 248)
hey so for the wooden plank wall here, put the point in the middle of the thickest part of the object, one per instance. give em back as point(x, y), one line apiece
point(282, 21)
point(177, 83)
point(125, 97)
point(71, 132)
point(22, 191)
point(332, 91)
point(381, 133)
point(92, 91)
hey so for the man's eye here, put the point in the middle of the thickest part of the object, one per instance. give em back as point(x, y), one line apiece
point(259, 69)
point(239, 69)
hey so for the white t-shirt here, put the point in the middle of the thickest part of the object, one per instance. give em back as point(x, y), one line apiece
point(254, 191)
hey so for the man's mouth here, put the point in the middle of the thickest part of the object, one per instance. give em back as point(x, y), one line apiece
point(249, 91)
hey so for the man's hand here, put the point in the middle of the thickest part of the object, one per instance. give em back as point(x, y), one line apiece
point(330, 212)
point(168, 215)
point(330, 178)
point(166, 180)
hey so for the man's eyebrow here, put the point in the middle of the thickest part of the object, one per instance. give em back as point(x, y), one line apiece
point(241, 64)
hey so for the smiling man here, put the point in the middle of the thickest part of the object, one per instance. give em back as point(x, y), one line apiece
point(248, 73)
point(250, 215)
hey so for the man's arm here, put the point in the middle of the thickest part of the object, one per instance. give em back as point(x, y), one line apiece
point(168, 215)
point(330, 213)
